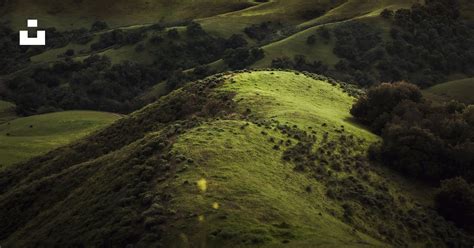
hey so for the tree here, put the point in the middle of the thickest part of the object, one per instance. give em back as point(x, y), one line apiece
point(236, 41)
point(387, 13)
point(455, 201)
point(173, 33)
point(311, 40)
point(375, 108)
point(98, 26)
point(194, 29)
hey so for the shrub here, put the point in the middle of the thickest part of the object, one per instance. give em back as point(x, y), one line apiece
point(98, 26)
point(376, 107)
point(386, 13)
point(311, 40)
point(455, 201)
point(173, 33)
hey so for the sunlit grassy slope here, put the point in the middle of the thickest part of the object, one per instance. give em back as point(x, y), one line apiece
point(246, 159)
point(460, 90)
point(26, 137)
point(246, 178)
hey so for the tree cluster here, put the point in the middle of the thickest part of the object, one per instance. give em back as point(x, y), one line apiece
point(97, 84)
point(427, 43)
point(263, 31)
point(423, 140)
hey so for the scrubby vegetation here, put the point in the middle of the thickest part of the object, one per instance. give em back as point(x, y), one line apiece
point(455, 201)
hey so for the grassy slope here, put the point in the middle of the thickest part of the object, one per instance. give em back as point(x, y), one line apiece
point(253, 188)
point(460, 90)
point(202, 180)
point(363, 11)
point(357, 8)
point(290, 13)
point(48, 131)
point(77, 14)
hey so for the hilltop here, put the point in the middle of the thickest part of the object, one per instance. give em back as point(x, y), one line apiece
point(250, 158)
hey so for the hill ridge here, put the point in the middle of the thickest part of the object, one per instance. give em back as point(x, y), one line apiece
point(171, 182)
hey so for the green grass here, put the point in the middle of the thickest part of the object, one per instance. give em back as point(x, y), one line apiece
point(255, 190)
point(296, 45)
point(288, 12)
point(298, 100)
point(353, 9)
point(47, 132)
point(461, 90)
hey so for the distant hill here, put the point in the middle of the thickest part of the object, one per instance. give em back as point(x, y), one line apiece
point(73, 14)
point(244, 159)
point(460, 90)
point(27, 137)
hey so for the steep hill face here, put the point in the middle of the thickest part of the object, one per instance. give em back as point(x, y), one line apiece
point(252, 158)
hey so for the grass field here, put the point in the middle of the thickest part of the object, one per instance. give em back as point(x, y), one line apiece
point(461, 90)
point(24, 138)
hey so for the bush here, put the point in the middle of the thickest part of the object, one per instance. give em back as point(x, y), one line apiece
point(98, 26)
point(455, 201)
point(386, 13)
point(376, 107)
point(173, 33)
point(241, 57)
point(311, 40)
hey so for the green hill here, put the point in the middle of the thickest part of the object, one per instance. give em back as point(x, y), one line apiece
point(244, 159)
point(82, 13)
point(27, 137)
point(461, 90)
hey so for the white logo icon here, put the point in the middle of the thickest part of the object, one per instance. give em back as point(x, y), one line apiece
point(39, 40)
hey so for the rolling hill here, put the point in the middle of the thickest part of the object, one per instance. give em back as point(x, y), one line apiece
point(241, 159)
point(74, 14)
point(27, 137)
point(461, 90)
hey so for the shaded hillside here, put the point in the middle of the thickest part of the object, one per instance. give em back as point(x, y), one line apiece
point(261, 158)
point(460, 90)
